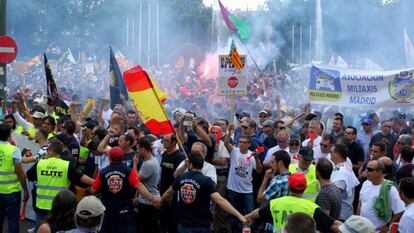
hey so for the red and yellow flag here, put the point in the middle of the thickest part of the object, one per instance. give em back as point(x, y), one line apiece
point(144, 96)
point(234, 57)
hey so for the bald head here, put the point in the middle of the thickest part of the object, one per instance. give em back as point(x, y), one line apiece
point(387, 164)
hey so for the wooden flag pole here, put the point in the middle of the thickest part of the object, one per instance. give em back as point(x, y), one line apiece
point(231, 108)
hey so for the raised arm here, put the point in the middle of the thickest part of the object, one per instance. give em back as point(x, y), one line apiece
point(227, 143)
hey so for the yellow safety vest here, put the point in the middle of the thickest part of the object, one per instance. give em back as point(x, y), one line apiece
point(19, 129)
point(282, 207)
point(31, 131)
point(8, 177)
point(312, 185)
point(52, 177)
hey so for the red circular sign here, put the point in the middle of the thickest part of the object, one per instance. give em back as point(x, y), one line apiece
point(232, 82)
point(8, 49)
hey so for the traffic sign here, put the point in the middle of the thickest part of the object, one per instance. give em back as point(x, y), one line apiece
point(8, 49)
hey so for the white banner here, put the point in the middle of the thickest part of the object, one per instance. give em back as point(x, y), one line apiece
point(361, 88)
point(231, 81)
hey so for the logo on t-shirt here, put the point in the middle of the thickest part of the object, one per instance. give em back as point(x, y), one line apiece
point(242, 168)
point(188, 193)
point(115, 184)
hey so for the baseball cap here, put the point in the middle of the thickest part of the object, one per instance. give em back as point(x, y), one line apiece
point(307, 153)
point(116, 153)
point(294, 137)
point(38, 115)
point(263, 111)
point(89, 207)
point(357, 224)
point(297, 181)
point(242, 114)
point(366, 120)
point(268, 122)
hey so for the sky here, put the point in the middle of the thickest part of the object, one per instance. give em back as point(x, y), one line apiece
point(235, 4)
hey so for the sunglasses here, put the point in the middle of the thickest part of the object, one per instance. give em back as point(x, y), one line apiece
point(365, 124)
point(370, 169)
point(263, 116)
point(294, 144)
point(282, 128)
point(244, 127)
point(281, 142)
point(323, 145)
point(244, 142)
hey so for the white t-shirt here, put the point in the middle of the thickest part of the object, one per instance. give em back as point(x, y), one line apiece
point(207, 170)
point(221, 153)
point(348, 163)
point(407, 220)
point(369, 193)
point(316, 142)
point(345, 179)
point(317, 153)
point(271, 151)
point(240, 173)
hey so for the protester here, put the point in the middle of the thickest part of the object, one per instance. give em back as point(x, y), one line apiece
point(12, 180)
point(61, 217)
point(196, 191)
point(116, 182)
point(52, 174)
point(89, 215)
point(406, 192)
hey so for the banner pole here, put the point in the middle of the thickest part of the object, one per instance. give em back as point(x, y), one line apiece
point(231, 108)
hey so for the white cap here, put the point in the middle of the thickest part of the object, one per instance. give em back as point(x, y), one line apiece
point(357, 224)
point(38, 115)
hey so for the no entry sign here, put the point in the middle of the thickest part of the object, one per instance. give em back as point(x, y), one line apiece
point(8, 49)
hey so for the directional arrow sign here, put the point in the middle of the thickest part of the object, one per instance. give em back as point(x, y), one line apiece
point(8, 49)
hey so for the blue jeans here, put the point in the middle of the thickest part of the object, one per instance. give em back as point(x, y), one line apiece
point(242, 202)
point(10, 205)
point(185, 229)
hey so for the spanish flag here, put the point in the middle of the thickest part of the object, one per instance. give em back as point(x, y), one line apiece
point(234, 57)
point(144, 96)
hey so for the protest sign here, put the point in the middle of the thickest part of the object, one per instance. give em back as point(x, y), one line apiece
point(361, 88)
point(231, 82)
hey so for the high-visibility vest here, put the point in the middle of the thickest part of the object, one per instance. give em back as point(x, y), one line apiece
point(52, 177)
point(282, 207)
point(8, 177)
point(312, 184)
point(31, 131)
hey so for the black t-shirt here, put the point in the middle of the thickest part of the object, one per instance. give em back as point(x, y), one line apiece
point(356, 154)
point(270, 141)
point(322, 220)
point(210, 149)
point(194, 199)
point(389, 140)
point(74, 148)
point(169, 163)
point(113, 141)
point(129, 158)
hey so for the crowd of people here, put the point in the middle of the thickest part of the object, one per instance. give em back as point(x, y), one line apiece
point(278, 165)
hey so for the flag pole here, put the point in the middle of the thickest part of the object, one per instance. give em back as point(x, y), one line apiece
point(250, 54)
point(158, 36)
point(139, 31)
point(293, 44)
point(231, 108)
point(300, 44)
point(127, 31)
point(149, 33)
